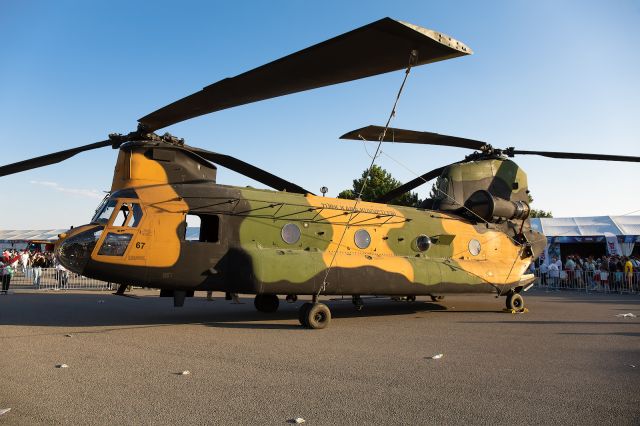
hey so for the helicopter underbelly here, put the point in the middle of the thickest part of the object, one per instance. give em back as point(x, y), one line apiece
point(304, 272)
point(276, 271)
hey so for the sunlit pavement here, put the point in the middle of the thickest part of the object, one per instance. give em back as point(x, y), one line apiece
point(570, 360)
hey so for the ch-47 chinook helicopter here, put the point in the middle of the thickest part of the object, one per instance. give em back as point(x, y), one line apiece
point(474, 236)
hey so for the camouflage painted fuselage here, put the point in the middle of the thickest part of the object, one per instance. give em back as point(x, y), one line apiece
point(245, 250)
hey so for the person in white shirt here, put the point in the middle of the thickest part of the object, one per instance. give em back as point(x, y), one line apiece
point(24, 261)
point(554, 271)
point(63, 276)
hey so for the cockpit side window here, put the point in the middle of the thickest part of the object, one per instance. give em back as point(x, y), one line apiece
point(123, 216)
point(129, 215)
point(102, 217)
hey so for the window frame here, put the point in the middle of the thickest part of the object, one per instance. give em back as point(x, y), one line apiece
point(110, 227)
point(128, 202)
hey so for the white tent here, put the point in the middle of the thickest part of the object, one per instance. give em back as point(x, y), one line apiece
point(591, 226)
point(592, 229)
point(18, 239)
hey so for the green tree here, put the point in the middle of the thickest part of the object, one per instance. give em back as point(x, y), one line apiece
point(379, 182)
point(536, 212)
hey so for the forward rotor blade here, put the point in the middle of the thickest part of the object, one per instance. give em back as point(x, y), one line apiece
point(48, 159)
point(373, 133)
point(577, 156)
point(249, 170)
point(395, 193)
point(377, 48)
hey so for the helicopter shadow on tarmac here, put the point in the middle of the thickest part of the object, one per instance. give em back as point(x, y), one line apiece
point(105, 310)
point(339, 310)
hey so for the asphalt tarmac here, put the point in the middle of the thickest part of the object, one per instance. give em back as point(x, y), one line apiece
point(570, 360)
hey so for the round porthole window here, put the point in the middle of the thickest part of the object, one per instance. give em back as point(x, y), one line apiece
point(290, 233)
point(474, 247)
point(362, 239)
point(422, 243)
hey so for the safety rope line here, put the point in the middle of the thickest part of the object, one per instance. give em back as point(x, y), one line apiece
point(413, 58)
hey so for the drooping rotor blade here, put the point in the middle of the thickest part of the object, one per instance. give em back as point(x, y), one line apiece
point(377, 48)
point(249, 170)
point(576, 155)
point(45, 160)
point(373, 133)
point(395, 193)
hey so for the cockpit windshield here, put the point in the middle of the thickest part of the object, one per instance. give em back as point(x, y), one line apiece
point(104, 212)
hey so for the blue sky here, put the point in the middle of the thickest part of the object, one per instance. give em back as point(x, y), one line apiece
point(545, 75)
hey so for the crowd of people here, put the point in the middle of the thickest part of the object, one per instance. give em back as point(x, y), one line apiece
point(30, 263)
point(606, 273)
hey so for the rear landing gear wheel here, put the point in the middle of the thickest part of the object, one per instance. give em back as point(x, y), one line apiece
point(411, 298)
point(515, 302)
point(291, 298)
point(267, 303)
point(315, 315)
point(357, 302)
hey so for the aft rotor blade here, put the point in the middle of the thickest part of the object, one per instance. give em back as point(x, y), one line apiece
point(374, 133)
point(45, 160)
point(413, 184)
point(577, 155)
point(249, 170)
point(380, 47)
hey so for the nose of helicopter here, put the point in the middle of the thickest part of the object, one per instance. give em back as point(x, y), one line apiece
point(75, 246)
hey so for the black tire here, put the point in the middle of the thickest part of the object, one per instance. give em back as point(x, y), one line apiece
point(292, 298)
point(411, 298)
point(266, 303)
point(303, 313)
point(515, 302)
point(437, 298)
point(318, 316)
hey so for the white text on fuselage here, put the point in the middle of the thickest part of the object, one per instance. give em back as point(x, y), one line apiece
point(357, 209)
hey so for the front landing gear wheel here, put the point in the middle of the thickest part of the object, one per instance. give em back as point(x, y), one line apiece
point(303, 313)
point(267, 303)
point(515, 302)
point(437, 298)
point(315, 315)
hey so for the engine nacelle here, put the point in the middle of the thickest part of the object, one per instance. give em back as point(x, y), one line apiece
point(496, 209)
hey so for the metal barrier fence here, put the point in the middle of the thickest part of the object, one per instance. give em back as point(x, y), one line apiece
point(53, 279)
point(590, 281)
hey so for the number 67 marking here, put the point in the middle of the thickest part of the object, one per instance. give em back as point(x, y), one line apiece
point(139, 245)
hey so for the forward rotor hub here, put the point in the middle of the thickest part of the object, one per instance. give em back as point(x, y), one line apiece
point(142, 134)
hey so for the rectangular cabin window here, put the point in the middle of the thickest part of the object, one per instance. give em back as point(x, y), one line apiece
point(204, 228)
